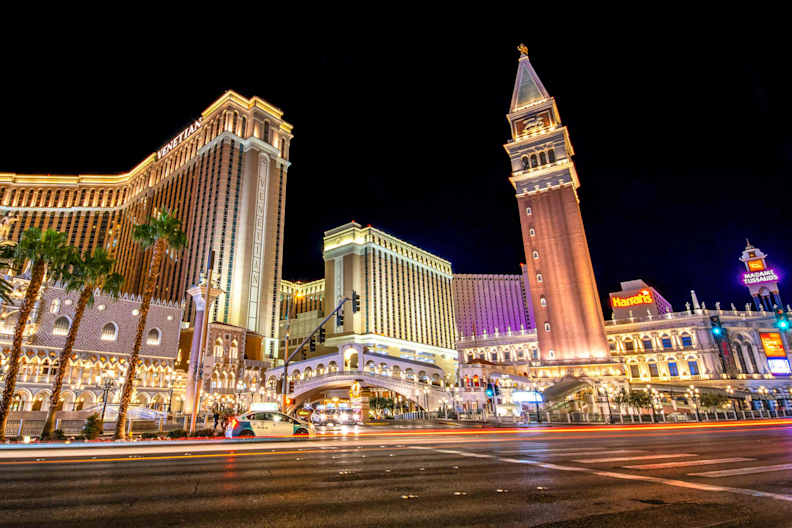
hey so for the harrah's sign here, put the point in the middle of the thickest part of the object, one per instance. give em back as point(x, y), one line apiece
point(173, 143)
point(758, 277)
point(642, 297)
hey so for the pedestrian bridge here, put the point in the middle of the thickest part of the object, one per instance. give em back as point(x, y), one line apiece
point(425, 395)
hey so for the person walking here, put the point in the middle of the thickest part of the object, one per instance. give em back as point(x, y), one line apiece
point(216, 419)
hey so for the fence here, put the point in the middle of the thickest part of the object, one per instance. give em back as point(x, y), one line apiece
point(34, 427)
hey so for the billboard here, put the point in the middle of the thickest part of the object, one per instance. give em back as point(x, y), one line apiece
point(756, 265)
point(773, 345)
point(642, 297)
point(526, 397)
point(758, 277)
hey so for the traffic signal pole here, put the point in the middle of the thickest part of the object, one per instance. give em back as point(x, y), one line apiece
point(300, 347)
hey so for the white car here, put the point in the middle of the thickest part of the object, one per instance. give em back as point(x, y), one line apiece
point(268, 423)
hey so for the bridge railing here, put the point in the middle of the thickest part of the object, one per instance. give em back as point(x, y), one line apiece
point(355, 372)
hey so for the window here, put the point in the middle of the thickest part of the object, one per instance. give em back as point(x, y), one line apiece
point(494, 356)
point(612, 345)
point(693, 367)
point(507, 356)
point(543, 300)
point(528, 211)
point(647, 343)
point(547, 327)
point(535, 354)
point(535, 254)
point(551, 354)
point(62, 325)
point(629, 345)
point(153, 337)
point(672, 369)
point(551, 156)
point(666, 342)
point(109, 332)
point(532, 232)
point(635, 372)
point(538, 277)
point(525, 163)
point(55, 306)
point(653, 370)
point(542, 158)
point(687, 341)
point(218, 348)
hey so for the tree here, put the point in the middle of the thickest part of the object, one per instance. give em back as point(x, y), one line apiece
point(640, 399)
point(163, 235)
point(46, 253)
point(88, 275)
point(709, 400)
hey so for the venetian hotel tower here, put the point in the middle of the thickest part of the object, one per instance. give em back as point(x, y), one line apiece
point(564, 294)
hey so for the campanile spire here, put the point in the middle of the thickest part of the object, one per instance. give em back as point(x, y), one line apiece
point(563, 290)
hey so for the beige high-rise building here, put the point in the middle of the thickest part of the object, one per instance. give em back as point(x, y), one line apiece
point(224, 176)
point(406, 301)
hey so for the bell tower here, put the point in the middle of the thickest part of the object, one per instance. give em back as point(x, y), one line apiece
point(564, 294)
point(761, 280)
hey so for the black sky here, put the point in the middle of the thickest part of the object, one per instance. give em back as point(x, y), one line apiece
point(682, 139)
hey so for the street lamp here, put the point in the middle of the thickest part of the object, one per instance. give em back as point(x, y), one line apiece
point(694, 394)
point(171, 378)
point(730, 392)
point(762, 390)
point(107, 386)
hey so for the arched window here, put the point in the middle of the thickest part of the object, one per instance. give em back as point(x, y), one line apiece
point(612, 345)
point(153, 337)
point(218, 348)
point(542, 158)
point(110, 332)
point(543, 300)
point(535, 254)
point(532, 231)
point(629, 345)
point(55, 306)
point(534, 161)
point(687, 340)
point(551, 354)
point(62, 325)
point(528, 211)
point(667, 343)
point(547, 327)
point(525, 162)
point(551, 156)
point(653, 372)
point(539, 277)
point(647, 343)
point(234, 348)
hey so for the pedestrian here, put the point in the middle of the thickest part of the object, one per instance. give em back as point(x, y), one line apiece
point(216, 419)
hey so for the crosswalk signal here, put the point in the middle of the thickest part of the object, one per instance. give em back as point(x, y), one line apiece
point(355, 302)
point(340, 319)
point(717, 328)
point(322, 335)
point(312, 344)
point(782, 320)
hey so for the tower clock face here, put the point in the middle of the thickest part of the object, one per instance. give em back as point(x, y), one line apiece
point(756, 265)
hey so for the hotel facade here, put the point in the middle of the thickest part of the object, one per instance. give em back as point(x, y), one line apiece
point(224, 176)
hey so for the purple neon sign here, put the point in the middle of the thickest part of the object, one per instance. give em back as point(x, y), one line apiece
point(759, 277)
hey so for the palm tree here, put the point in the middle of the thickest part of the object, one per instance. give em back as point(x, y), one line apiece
point(45, 252)
point(163, 234)
point(94, 273)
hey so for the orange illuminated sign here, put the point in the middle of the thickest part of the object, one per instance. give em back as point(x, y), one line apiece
point(642, 297)
point(773, 346)
point(755, 265)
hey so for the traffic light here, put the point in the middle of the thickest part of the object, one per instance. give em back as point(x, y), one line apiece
point(312, 344)
point(497, 389)
point(782, 321)
point(490, 391)
point(717, 329)
point(322, 335)
point(340, 319)
point(355, 302)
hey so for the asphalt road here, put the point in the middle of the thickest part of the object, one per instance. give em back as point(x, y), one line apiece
point(571, 477)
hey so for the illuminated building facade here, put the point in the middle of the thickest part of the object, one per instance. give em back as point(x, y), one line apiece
point(301, 297)
point(566, 306)
point(637, 298)
point(491, 304)
point(406, 295)
point(761, 280)
point(224, 176)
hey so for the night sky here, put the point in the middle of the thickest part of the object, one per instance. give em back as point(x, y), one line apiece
point(682, 141)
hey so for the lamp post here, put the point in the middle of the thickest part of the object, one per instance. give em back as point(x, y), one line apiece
point(107, 386)
point(762, 390)
point(730, 392)
point(170, 378)
point(693, 394)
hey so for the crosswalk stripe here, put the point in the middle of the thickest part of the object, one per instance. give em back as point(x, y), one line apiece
point(568, 451)
point(742, 471)
point(590, 453)
point(665, 465)
point(627, 459)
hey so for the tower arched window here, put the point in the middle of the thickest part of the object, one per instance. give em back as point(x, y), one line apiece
point(535, 254)
point(55, 306)
point(110, 332)
point(532, 232)
point(154, 336)
point(525, 162)
point(539, 277)
point(543, 300)
point(542, 158)
point(62, 325)
point(551, 156)
point(534, 161)
point(547, 327)
point(218, 348)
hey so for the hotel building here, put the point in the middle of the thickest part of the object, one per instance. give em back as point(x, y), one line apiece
point(224, 176)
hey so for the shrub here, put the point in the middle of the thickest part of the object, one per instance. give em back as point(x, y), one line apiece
point(204, 432)
point(150, 435)
point(177, 433)
point(93, 427)
point(57, 434)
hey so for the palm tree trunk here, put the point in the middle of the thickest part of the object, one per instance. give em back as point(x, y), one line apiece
point(148, 293)
point(64, 360)
point(36, 278)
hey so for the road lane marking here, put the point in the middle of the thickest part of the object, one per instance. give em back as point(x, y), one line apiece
point(742, 471)
point(645, 478)
point(665, 465)
point(568, 451)
point(627, 459)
